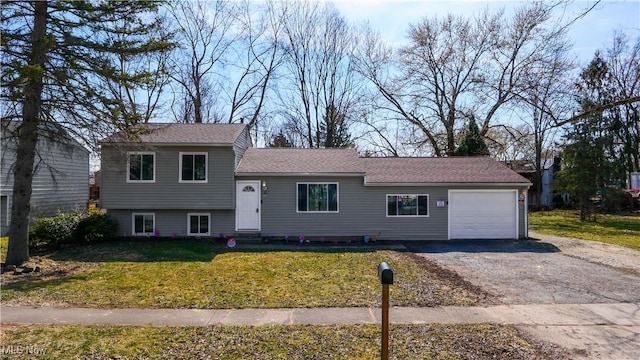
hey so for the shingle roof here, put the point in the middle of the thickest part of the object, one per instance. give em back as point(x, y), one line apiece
point(192, 134)
point(300, 161)
point(438, 170)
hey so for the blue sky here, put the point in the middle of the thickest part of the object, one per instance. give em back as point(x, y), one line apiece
point(594, 31)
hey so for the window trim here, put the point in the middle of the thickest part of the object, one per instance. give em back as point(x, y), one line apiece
point(386, 200)
point(318, 183)
point(189, 215)
point(128, 171)
point(133, 224)
point(206, 167)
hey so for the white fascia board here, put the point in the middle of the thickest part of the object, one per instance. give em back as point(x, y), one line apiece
point(305, 174)
point(455, 184)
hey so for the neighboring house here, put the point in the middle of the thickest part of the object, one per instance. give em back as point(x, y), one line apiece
point(61, 175)
point(206, 180)
point(527, 169)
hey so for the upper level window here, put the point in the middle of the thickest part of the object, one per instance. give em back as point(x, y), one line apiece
point(321, 197)
point(407, 205)
point(193, 167)
point(141, 166)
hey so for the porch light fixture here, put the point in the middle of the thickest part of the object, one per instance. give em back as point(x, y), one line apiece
point(264, 187)
point(523, 195)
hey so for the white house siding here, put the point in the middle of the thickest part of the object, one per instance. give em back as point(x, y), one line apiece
point(60, 182)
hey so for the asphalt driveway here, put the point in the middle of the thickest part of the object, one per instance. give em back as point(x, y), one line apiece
point(544, 270)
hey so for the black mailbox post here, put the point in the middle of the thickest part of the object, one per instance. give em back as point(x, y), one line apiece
point(385, 273)
point(386, 278)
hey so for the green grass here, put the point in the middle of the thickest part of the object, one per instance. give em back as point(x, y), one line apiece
point(270, 342)
point(199, 274)
point(621, 230)
point(4, 242)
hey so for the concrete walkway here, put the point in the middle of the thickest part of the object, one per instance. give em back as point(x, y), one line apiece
point(589, 331)
point(542, 315)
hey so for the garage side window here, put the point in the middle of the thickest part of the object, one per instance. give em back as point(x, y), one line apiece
point(407, 205)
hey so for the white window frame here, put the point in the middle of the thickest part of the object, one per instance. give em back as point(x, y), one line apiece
point(206, 167)
point(133, 223)
point(318, 183)
point(189, 215)
point(128, 172)
point(386, 206)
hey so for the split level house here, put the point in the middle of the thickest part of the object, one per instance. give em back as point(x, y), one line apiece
point(206, 180)
point(61, 174)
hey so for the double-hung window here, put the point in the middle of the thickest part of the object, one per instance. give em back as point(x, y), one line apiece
point(193, 167)
point(198, 224)
point(141, 166)
point(143, 224)
point(317, 197)
point(407, 205)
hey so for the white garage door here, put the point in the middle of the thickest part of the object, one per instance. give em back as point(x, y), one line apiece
point(483, 214)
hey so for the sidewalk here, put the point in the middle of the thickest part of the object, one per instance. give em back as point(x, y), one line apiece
point(592, 331)
point(529, 315)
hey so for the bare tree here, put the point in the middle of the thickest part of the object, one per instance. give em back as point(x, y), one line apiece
point(325, 93)
point(548, 95)
point(623, 58)
point(205, 34)
point(257, 58)
point(456, 68)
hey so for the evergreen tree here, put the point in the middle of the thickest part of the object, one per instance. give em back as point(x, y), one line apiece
point(590, 165)
point(63, 67)
point(280, 141)
point(333, 129)
point(472, 143)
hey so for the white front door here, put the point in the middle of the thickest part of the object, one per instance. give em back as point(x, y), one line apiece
point(248, 205)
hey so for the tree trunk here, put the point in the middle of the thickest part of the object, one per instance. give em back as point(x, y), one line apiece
point(18, 249)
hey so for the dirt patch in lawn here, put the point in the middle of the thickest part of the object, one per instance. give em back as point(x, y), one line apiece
point(43, 268)
point(452, 280)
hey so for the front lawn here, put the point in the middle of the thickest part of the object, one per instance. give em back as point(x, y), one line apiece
point(4, 242)
point(200, 274)
point(621, 230)
point(270, 342)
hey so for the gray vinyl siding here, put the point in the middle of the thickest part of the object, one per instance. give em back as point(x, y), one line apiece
point(242, 143)
point(362, 211)
point(60, 182)
point(167, 192)
point(173, 223)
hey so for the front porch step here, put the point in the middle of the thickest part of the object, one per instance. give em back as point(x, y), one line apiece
point(249, 238)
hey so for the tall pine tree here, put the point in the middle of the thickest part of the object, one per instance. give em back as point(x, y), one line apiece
point(589, 162)
point(60, 63)
point(472, 143)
